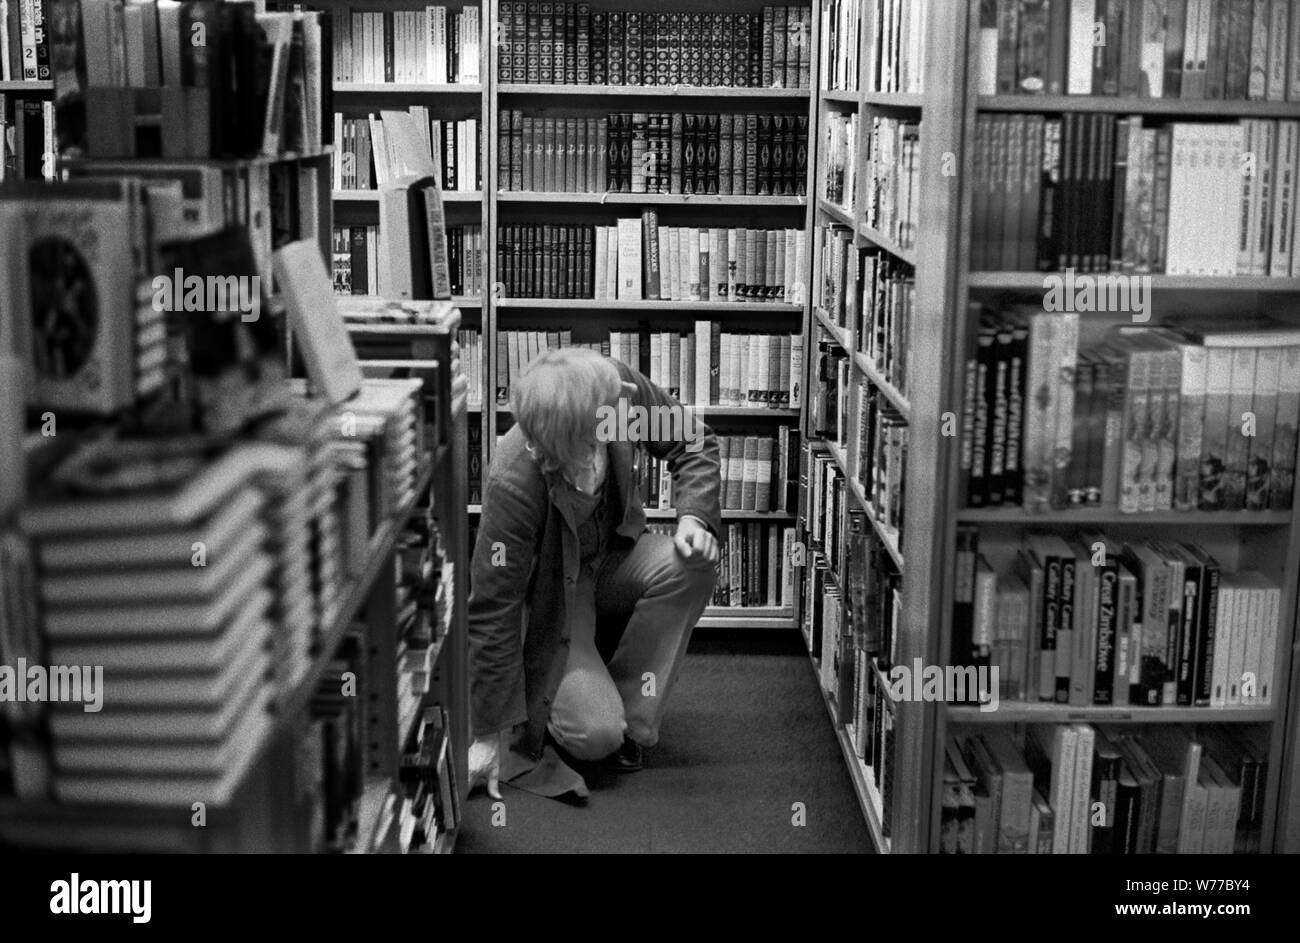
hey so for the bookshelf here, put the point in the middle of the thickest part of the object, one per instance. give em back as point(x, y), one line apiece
point(263, 802)
point(856, 85)
point(1267, 540)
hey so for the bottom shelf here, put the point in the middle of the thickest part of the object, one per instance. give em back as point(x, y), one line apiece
point(868, 796)
point(746, 617)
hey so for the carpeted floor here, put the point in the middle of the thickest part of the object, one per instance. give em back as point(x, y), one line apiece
point(746, 737)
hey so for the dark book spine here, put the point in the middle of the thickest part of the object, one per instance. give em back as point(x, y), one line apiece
point(533, 59)
point(599, 47)
point(1107, 612)
point(571, 44)
point(632, 51)
point(1008, 16)
point(505, 48)
point(616, 40)
point(546, 44)
point(1175, 29)
point(583, 62)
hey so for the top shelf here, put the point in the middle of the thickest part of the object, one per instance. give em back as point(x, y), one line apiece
point(1056, 104)
point(651, 91)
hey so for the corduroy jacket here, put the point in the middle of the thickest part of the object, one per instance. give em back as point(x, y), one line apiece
point(525, 565)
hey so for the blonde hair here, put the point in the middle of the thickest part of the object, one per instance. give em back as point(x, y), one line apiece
point(557, 402)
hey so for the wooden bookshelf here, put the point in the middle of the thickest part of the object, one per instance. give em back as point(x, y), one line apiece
point(1245, 533)
point(1034, 281)
point(1173, 107)
point(936, 261)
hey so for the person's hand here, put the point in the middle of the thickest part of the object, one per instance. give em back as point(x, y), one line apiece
point(697, 546)
point(485, 763)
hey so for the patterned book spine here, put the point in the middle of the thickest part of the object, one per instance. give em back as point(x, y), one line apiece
point(599, 45)
point(582, 14)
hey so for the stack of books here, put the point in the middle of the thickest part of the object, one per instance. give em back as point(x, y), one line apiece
point(1089, 620)
point(1196, 417)
point(1165, 790)
point(177, 615)
point(437, 45)
point(569, 43)
point(1191, 49)
point(1096, 193)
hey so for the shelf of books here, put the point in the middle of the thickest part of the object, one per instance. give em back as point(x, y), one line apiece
point(430, 62)
point(26, 112)
point(882, 265)
point(607, 233)
point(256, 540)
point(1118, 498)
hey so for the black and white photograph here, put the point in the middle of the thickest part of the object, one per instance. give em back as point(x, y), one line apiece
point(612, 427)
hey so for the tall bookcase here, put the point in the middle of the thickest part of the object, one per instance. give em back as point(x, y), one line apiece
point(591, 319)
point(1268, 541)
point(268, 809)
point(933, 260)
point(941, 334)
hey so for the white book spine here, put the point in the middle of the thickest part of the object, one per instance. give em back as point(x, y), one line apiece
point(1251, 660)
point(1237, 642)
point(1284, 176)
point(1269, 612)
point(1081, 806)
point(703, 342)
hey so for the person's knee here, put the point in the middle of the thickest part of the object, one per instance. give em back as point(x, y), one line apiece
point(675, 575)
point(593, 740)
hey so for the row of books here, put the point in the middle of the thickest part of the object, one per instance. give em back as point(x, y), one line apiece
point(1152, 419)
point(755, 569)
point(364, 160)
point(878, 457)
point(472, 365)
point(332, 753)
point(1235, 50)
point(852, 610)
point(437, 45)
point(703, 368)
point(897, 51)
point(758, 473)
point(357, 259)
point(1104, 790)
point(429, 808)
point(840, 143)
point(1098, 193)
point(625, 152)
point(841, 34)
point(640, 260)
point(870, 293)
point(26, 138)
point(24, 41)
point(1091, 620)
point(892, 179)
point(572, 44)
point(253, 86)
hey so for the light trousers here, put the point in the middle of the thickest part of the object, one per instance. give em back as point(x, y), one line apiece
point(662, 598)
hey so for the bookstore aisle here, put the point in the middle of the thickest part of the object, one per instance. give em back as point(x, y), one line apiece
point(993, 307)
point(725, 778)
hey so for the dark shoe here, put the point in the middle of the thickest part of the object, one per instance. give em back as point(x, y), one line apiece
point(629, 757)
